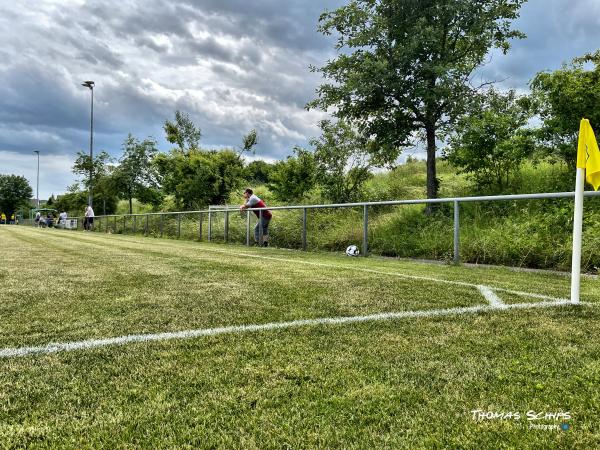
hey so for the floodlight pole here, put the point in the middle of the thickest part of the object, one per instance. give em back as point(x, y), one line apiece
point(90, 85)
point(37, 187)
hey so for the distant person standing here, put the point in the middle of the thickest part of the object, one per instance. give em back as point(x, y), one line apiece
point(62, 219)
point(88, 222)
point(38, 216)
point(252, 201)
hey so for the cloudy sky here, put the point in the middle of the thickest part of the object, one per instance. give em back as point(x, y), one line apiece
point(232, 65)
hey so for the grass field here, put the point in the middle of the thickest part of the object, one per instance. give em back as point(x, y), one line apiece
point(408, 379)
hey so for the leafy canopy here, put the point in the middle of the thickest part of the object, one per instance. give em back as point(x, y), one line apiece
point(405, 65)
point(200, 177)
point(136, 176)
point(491, 142)
point(291, 179)
point(258, 171)
point(343, 159)
point(182, 132)
point(563, 98)
point(15, 192)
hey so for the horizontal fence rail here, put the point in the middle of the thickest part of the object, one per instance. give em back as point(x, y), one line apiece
point(158, 224)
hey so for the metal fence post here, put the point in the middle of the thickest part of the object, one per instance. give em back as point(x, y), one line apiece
point(134, 224)
point(162, 224)
point(147, 230)
point(226, 226)
point(178, 226)
point(115, 224)
point(209, 226)
point(200, 228)
point(248, 228)
point(366, 230)
point(124, 224)
point(304, 229)
point(456, 232)
point(260, 228)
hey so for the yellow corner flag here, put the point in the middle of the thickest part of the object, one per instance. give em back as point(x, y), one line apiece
point(588, 154)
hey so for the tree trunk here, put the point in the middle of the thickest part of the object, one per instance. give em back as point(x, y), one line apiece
point(432, 181)
point(130, 205)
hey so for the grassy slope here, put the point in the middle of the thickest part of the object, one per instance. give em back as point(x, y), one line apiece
point(525, 234)
point(404, 383)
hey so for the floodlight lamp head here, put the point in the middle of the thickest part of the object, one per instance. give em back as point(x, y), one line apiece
point(88, 84)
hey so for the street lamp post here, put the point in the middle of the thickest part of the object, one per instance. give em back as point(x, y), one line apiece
point(37, 187)
point(90, 85)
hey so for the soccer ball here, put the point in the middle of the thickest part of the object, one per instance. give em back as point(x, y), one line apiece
point(352, 251)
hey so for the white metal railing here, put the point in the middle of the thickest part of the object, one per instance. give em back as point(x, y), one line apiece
point(226, 210)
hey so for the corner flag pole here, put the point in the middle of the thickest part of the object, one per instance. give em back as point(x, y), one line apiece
point(588, 169)
point(577, 236)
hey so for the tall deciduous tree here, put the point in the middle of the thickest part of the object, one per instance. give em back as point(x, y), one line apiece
point(98, 165)
point(14, 193)
point(136, 176)
point(102, 191)
point(405, 66)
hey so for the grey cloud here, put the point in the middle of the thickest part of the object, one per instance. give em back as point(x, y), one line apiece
point(146, 41)
point(291, 24)
point(101, 55)
point(232, 65)
point(557, 31)
point(178, 60)
point(209, 47)
point(33, 95)
point(155, 17)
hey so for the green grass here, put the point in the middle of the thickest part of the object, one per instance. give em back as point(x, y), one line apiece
point(409, 383)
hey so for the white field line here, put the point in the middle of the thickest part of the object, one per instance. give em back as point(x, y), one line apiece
point(394, 274)
point(187, 334)
point(491, 297)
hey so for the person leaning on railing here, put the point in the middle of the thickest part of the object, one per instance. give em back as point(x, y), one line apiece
point(252, 201)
